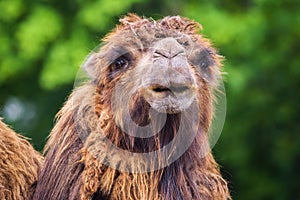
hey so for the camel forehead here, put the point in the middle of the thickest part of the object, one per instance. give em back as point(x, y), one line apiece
point(136, 32)
point(143, 38)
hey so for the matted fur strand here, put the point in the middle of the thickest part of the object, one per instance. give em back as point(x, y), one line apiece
point(19, 165)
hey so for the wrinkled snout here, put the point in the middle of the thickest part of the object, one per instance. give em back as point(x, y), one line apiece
point(169, 84)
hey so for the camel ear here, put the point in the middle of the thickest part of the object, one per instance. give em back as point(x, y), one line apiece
point(89, 65)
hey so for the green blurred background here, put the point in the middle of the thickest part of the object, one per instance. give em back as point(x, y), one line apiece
point(43, 43)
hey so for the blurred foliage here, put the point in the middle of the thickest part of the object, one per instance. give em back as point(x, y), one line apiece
point(42, 44)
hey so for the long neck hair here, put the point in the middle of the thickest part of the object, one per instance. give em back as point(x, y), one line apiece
point(73, 167)
point(194, 175)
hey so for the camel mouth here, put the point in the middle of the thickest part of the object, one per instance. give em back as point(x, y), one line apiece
point(172, 89)
point(169, 99)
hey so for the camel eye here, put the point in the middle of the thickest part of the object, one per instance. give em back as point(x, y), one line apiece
point(120, 63)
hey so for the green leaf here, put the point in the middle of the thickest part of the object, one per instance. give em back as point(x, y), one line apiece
point(64, 60)
point(10, 10)
point(39, 29)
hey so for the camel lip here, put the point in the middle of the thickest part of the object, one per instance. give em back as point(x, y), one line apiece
point(172, 99)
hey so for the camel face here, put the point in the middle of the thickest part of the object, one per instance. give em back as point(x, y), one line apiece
point(163, 68)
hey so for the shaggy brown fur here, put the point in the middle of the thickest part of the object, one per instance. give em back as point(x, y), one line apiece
point(76, 153)
point(19, 165)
